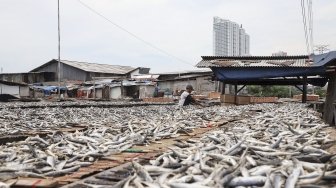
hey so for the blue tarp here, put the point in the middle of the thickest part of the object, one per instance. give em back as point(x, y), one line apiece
point(324, 59)
point(48, 89)
point(255, 73)
point(230, 73)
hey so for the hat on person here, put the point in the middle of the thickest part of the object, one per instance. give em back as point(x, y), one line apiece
point(190, 87)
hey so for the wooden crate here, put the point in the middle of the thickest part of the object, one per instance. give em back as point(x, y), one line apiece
point(243, 99)
point(309, 97)
point(227, 98)
point(214, 95)
point(298, 97)
point(199, 96)
point(231, 99)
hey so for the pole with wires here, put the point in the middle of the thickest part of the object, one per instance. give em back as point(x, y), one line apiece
point(303, 11)
point(59, 50)
point(307, 19)
point(321, 48)
point(1, 79)
point(310, 19)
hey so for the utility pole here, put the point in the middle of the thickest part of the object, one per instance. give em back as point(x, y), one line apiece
point(94, 87)
point(59, 51)
point(321, 48)
point(290, 91)
point(1, 79)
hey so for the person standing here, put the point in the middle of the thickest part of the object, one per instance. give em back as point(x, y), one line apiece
point(156, 91)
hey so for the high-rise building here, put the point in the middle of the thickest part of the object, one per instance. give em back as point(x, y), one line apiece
point(229, 39)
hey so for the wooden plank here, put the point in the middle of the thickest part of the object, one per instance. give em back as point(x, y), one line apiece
point(223, 88)
point(304, 90)
point(214, 95)
point(241, 100)
point(334, 116)
point(34, 182)
point(236, 93)
point(227, 98)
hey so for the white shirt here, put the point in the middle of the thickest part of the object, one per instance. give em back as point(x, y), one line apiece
point(184, 95)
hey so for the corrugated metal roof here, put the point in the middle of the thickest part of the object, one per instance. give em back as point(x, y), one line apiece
point(99, 68)
point(93, 67)
point(206, 70)
point(255, 61)
point(183, 77)
point(146, 76)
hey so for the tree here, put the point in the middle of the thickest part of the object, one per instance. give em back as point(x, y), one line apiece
point(273, 91)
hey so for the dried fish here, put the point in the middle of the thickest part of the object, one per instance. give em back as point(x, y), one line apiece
point(250, 155)
point(279, 145)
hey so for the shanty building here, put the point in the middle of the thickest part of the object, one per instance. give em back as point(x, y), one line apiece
point(201, 80)
point(83, 71)
point(116, 89)
point(14, 89)
point(316, 70)
point(298, 71)
point(28, 77)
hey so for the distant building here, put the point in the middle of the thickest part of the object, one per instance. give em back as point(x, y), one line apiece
point(15, 89)
point(28, 77)
point(201, 80)
point(229, 39)
point(279, 53)
point(113, 89)
point(83, 71)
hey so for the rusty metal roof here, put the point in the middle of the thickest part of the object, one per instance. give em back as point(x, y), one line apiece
point(93, 67)
point(185, 72)
point(101, 68)
point(255, 61)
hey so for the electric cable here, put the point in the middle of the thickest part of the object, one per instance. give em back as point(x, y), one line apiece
point(134, 35)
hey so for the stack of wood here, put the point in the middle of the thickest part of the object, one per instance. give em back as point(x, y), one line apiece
point(309, 97)
point(247, 99)
point(214, 95)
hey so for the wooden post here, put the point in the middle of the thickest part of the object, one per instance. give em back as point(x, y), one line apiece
point(235, 99)
point(328, 111)
point(304, 90)
point(122, 89)
point(223, 88)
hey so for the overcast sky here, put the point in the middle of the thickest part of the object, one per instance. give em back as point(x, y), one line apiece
point(28, 34)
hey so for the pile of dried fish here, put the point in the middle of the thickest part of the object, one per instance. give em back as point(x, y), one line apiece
point(271, 145)
point(77, 103)
point(275, 146)
point(110, 131)
point(17, 121)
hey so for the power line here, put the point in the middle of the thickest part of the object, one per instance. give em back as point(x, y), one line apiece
point(133, 35)
point(307, 19)
point(303, 11)
point(59, 49)
point(310, 18)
